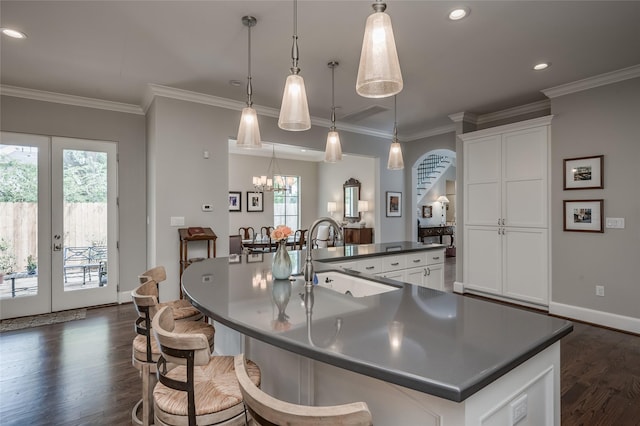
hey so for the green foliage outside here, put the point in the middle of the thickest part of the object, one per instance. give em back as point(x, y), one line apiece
point(85, 179)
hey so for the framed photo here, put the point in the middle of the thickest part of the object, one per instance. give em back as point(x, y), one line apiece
point(394, 204)
point(584, 215)
point(235, 201)
point(255, 257)
point(427, 211)
point(254, 201)
point(584, 172)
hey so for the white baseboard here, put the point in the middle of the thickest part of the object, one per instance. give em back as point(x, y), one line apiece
point(124, 297)
point(458, 287)
point(606, 319)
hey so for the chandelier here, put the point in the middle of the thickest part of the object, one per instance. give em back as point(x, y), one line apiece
point(273, 181)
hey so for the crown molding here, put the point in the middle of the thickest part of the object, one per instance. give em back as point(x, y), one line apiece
point(467, 117)
point(521, 125)
point(449, 128)
point(60, 98)
point(154, 90)
point(538, 106)
point(593, 82)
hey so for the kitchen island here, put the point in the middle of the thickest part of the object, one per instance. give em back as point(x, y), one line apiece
point(414, 354)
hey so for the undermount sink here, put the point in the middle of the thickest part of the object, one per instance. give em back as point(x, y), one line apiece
point(350, 285)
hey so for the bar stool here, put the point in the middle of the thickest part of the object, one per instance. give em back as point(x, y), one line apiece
point(267, 410)
point(201, 388)
point(145, 351)
point(183, 310)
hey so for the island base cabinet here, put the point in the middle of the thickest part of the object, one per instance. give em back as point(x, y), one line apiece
point(297, 379)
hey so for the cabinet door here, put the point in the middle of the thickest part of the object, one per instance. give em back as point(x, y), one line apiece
point(482, 177)
point(524, 178)
point(483, 258)
point(416, 276)
point(435, 277)
point(525, 264)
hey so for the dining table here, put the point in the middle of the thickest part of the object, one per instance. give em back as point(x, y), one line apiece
point(266, 244)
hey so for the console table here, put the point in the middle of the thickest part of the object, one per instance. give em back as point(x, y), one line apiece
point(435, 231)
point(205, 234)
point(358, 235)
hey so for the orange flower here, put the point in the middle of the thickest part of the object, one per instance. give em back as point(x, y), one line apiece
point(281, 232)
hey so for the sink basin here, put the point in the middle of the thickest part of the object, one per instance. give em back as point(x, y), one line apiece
point(350, 285)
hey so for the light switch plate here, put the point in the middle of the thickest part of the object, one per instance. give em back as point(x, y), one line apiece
point(177, 221)
point(614, 222)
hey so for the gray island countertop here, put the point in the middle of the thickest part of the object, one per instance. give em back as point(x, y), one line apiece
point(446, 345)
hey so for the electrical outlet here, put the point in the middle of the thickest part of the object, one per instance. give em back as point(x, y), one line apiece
point(615, 222)
point(600, 290)
point(518, 409)
point(177, 221)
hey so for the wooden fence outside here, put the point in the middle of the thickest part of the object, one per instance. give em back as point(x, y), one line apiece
point(85, 224)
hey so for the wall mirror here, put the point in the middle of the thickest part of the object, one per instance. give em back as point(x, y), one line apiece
point(351, 197)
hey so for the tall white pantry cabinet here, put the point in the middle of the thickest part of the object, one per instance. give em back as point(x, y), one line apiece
point(506, 213)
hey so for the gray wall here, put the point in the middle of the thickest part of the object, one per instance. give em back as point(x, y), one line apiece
point(241, 170)
point(604, 120)
point(128, 130)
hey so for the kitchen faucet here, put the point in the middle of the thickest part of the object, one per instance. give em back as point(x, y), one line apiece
point(308, 266)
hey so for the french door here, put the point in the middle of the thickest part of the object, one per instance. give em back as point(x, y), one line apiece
point(60, 226)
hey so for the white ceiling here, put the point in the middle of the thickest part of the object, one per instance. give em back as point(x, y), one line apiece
point(111, 50)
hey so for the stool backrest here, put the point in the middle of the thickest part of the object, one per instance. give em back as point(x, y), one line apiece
point(158, 274)
point(267, 410)
point(178, 348)
point(145, 299)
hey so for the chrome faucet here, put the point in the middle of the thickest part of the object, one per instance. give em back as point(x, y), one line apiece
point(308, 266)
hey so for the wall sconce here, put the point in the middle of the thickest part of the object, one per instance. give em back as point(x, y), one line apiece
point(332, 207)
point(363, 206)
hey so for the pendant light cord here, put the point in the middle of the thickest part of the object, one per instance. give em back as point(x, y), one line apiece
point(333, 94)
point(249, 22)
point(395, 119)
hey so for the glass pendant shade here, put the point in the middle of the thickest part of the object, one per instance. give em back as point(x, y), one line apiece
point(333, 150)
point(379, 74)
point(395, 157)
point(294, 112)
point(249, 131)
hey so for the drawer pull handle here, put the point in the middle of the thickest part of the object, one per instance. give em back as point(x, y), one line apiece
point(369, 267)
point(436, 257)
point(395, 263)
point(416, 260)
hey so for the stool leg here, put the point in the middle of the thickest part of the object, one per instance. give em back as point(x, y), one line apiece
point(148, 383)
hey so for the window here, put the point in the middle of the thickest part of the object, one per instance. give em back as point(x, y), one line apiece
point(286, 204)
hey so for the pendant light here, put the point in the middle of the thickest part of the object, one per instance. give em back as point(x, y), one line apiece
point(395, 152)
point(333, 151)
point(249, 131)
point(294, 111)
point(379, 74)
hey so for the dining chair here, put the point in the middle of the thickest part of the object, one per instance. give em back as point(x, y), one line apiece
point(267, 410)
point(235, 244)
point(299, 239)
point(265, 231)
point(247, 233)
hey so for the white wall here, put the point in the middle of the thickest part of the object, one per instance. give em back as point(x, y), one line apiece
point(333, 175)
point(241, 170)
point(128, 130)
point(601, 121)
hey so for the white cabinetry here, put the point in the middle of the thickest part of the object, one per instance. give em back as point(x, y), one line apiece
point(424, 268)
point(506, 205)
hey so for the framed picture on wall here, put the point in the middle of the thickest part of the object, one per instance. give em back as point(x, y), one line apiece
point(254, 201)
point(584, 172)
point(427, 211)
point(584, 215)
point(394, 204)
point(235, 201)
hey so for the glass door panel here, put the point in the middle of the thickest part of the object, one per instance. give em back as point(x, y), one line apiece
point(84, 223)
point(25, 262)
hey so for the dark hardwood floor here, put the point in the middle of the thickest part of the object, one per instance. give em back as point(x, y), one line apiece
point(80, 373)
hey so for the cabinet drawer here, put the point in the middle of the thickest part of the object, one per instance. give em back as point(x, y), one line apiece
point(350, 264)
point(416, 259)
point(369, 266)
point(435, 256)
point(393, 263)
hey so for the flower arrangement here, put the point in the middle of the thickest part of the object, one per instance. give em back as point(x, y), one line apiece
point(281, 232)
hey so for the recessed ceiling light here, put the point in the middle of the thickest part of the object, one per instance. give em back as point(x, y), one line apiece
point(13, 33)
point(542, 66)
point(458, 13)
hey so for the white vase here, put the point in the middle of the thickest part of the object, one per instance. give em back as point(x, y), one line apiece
point(281, 267)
